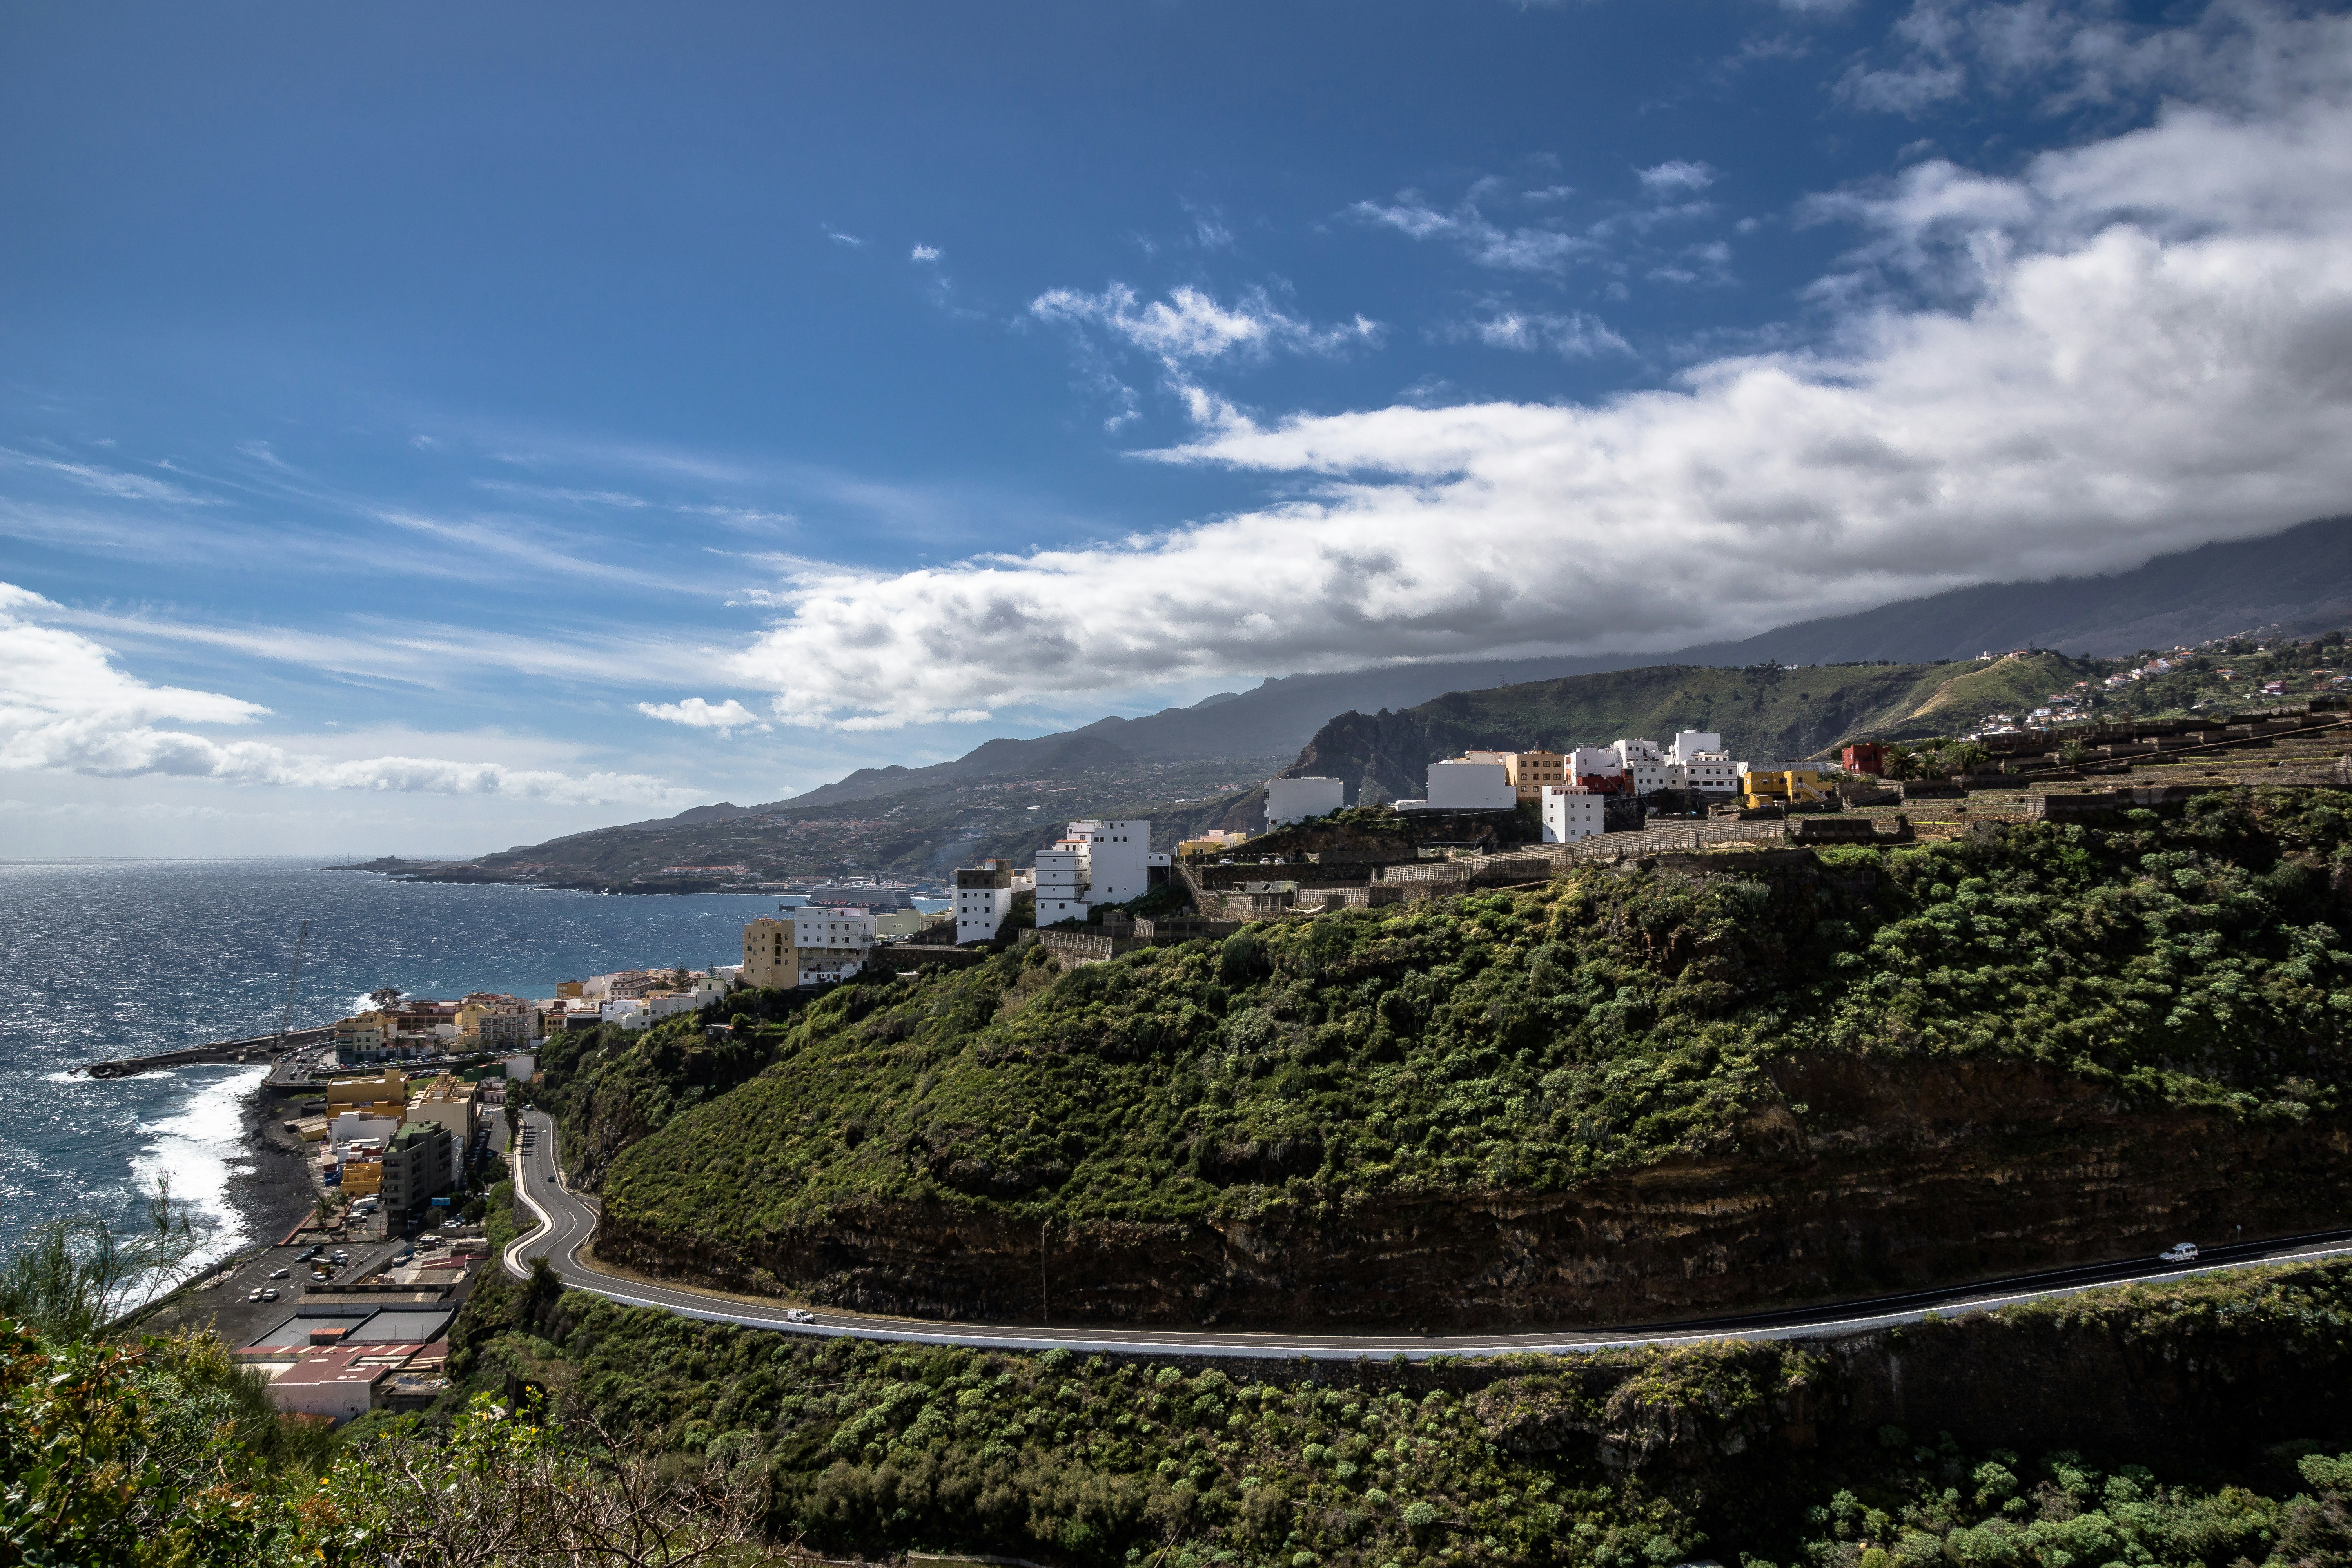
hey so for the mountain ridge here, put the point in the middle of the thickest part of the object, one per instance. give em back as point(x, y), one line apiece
point(2299, 578)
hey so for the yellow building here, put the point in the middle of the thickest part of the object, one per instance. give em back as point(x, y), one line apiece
point(1216, 841)
point(1794, 786)
point(384, 1096)
point(361, 1177)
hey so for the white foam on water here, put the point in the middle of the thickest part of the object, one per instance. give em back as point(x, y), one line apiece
point(198, 1146)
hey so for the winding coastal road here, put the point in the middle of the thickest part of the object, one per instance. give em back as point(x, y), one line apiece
point(566, 1222)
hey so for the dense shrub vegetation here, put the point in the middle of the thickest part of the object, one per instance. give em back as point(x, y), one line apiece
point(593, 1434)
point(610, 1087)
point(1623, 1460)
point(1529, 1041)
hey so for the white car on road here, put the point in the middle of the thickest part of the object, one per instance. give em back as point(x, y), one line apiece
point(797, 1316)
point(2178, 1252)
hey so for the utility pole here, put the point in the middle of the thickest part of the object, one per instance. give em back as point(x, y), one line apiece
point(1044, 1312)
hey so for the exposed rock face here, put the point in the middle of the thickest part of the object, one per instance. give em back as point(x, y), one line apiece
point(1866, 1176)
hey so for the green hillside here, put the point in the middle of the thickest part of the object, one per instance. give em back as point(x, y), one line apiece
point(1530, 1043)
point(1764, 713)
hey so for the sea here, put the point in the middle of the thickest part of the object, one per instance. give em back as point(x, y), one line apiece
point(114, 958)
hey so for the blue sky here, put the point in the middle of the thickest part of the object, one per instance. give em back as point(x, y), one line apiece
point(423, 430)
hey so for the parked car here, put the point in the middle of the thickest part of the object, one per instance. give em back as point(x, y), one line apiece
point(255, 1297)
point(319, 1277)
point(2178, 1252)
point(798, 1315)
point(279, 1273)
point(269, 1295)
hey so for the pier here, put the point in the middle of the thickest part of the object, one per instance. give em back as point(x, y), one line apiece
point(258, 1048)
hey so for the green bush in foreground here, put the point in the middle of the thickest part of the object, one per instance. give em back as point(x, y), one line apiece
point(1532, 1040)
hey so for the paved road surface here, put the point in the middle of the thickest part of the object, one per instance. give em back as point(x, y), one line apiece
point(567, 1222)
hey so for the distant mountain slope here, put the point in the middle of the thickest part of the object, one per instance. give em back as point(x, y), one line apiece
point(2297, 581)
point(1764, 713)
point(2301, 578)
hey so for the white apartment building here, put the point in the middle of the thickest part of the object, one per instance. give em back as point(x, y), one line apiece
point(1093, 863)
point(812, 945)
point(1460, 785)
point(1118, 860)
point(1296, 800)
point(1644, 762)
point(983, 896)
point(1062, 881)
point(1569, 815)
point(1705, 766)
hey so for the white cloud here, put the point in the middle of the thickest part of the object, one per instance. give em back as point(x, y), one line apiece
point(697, 714)
point(111, 482)
point(1210, 231)
point(924, 253)
point(1571, 335)
point(1538, 248)
point(66, 707)
point(2149, 350)
point(1676, 177)
point(838, 238)
point(2065, 55)
point(1189, 326)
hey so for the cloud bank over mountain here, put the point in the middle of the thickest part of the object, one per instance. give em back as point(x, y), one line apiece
point(2131, 345)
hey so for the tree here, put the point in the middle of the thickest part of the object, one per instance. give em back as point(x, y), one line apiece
point(70, 1276)
point(511, 1487)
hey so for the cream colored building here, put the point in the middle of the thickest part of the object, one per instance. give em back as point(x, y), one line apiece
point(1529, 772)
point(386, 1095)
point(448, 1102)
point(361, 1037)
point(487, 1018)
point(815, 945)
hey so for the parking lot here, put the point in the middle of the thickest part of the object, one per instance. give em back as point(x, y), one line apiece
point(229, 1308)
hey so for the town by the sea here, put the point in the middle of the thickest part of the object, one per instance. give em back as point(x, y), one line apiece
point(105, 959)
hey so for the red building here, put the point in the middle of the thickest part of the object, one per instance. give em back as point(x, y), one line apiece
point(1866, 757)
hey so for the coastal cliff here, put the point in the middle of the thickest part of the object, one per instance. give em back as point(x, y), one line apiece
point(1893, 1179)
point(1620, 1097)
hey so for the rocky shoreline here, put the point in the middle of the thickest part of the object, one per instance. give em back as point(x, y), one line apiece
point(276, 1191)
